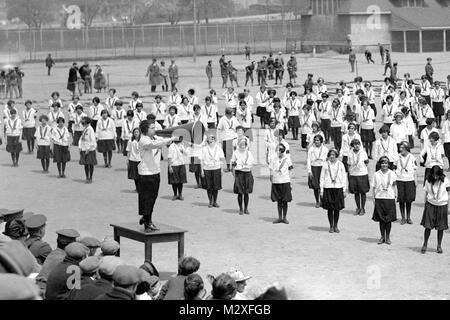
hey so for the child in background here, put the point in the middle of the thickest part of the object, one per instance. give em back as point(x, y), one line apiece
point(71, 109)
point(119, 115)
point(227, 130)
point(337, 119)
point(306, 119)
point(358, 175)
point(29, 125)
point(87, 146)
point(399, 130)
point(210, 111)
point(240, 136)
point(55, 114)
point(106, 135)
point(446, 136)
point(315, 131)
point(134, 101)
point(433, 154)
point(211, 159)
point(367, 127)
point(406, 181)
point(410, 126)
point(242, 162)
point(317, 155)
point(43, 137)
point(128, 126)
point(134, 157)
point(172, 119)
point(385, 146)
point(389, 110)
point(346, 143)
point(325, 116)
point(159, 110)
point(95, 112)
point(177, 169)
point(13, 134)
point(280, 166)
point(425, 133)
point(61, 153)
point(293, 106)
point(139, 114)
point(435, 213)
point(77, 126)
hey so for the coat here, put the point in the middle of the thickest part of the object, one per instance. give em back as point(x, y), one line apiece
point(73, 78)
point(209, 71)
point(173, 73)
point(99, 79)
point(38, 248)
point(117, 294)
point(84, 282)
point(93, 290)
point(57, 288)
point(173, 289)
point(153, 73)
point(53, 259)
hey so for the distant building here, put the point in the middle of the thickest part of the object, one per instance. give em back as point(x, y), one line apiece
point(406, 25)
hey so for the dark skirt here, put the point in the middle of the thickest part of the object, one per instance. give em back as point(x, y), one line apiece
point(148, 189)
point(314, 180)
point(195, 166)
point(133, 170)
point(61, 154)
point(367, 135)
point(406, 191)
point(94, 124)
point(13, 144)
point(281, 192)
point(325, 125)
point(345, 163)
point(447, 149)
point(304, 142)
point(178, 175)
point(293, 122)
point(438, 109)
point(333, 199)
point(28, 133)
point(358, 184)
point(385, 210)
point(211, 125)
point(435, 217)
point(76, 137)
point(70, 126)
point(119, 133)
point(71, 86)
point(88, 158)
point(105, 145)
point(125, 144)
point(212, 181)
point(44, 152)
point(243, 182)
point(411, 141)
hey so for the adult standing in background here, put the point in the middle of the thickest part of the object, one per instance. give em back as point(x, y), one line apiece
point(49, 63)
point(73, 78)
point(163, 73)
point(209, 73)
point(153, 74)
point(85, 73)
point(247, 51)
point(173, 75)
point(388, 64)
point(352, 59)
point(99, 79)
point(19, 76)
point(429, 71)
point(223, 71)
point(382, 51)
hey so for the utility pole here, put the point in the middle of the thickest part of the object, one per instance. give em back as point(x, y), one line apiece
point(194, 51)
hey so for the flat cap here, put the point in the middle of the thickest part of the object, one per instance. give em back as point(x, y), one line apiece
point(90, 264)
point(90, 242)
point(126, 275)
point(12, 214)
point(146, 277)
point(69, 234)
point(27, 215)
point(109, 247)
point(16, 258)
point(15, 287)
point(35, 221)
point(77, 250)
point(109, 264)
point(15, 229)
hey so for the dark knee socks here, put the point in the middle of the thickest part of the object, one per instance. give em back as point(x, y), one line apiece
point(86, 171)
point(215, 193)
point(408, 210)
point(280, 210)
point(210, 196)
point(246, 200)
point(330, 218)
point(440, 235)
point(58, 164)
point(180, 189)
point(175, 189)
point(197, 177)
point(383, 229)
point(402, 210)
point(109, 157)
point(317, 195)
point(360, 199)
point(335, 218)
point(240, 200)
point(43, 164)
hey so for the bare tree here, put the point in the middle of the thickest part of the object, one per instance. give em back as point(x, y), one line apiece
point(34, 13)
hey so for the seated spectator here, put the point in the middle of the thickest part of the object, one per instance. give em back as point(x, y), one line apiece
point(92, 243)
point(125, 281)
point(223, 288)
point(241, 281)
point(15, 258)
point(148, 288)
point(16, 230)
point(109, 247)
point(173, 289)
point(89, 273)
point(194, 287)
point(16, 287)
point(274, 292)
point(150, 268)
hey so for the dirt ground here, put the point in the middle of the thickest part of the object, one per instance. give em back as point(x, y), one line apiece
point(303, 256)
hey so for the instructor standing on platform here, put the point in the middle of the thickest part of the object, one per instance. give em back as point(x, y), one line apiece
point(149, 173)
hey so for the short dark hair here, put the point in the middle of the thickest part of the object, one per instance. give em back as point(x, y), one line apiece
point(104, 111)
point(193, 284)
point(144, 126)
point(130, 113)
point(435, 171)
point(224, 287)
point(43, 117)
point(139, 105)
point(384, 128)
point(430, 121)
point(113, 90)
point(96, 100)
point(135, 94)
point(188, 265)
point(319, 136)
point(60, 119)
point(191, 91)
point(433, 136)
point(86, 120)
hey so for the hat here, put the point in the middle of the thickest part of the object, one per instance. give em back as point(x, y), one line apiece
point(68, 234)
point(15, 287)
point(77, 250)
point(109, 247)
point(109, 264)
point(125, 275)
point(27, 215)
point(16, 258)
point(90, 264)
point(398, 114)
point(238, 275)
point(15, 229)
point(90, 242)
point(12, 214)
point(146, 277)
point(35, 221)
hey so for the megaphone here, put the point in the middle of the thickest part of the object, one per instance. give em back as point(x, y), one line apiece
point(192, 132)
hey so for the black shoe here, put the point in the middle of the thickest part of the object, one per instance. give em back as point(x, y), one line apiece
point(153, 227)
point(381, 241)
point(141, 221)
point(278, 221)
point(423, 250)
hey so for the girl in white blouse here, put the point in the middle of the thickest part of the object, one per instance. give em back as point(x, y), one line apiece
point(119, 115)
point(317, 155)
point(134, 101)
point(159, 109)
point(384, 193)
point(307, 117)
point(437, 96)
point(87, 146)
point(424, 112)
point(184, 110)
point(346, 141)
point(293, 106)
point(54, 115)
point(210, 111)
point(358, 175)
point(43, 137)
point(325, 116)
point(177, 169)
point(315, 131)
point(280, 166)
point(435, 214)
point(29, 125)
point(106, 135)
point(242, 163)
point(399, 130)
point(337, 119)
point(95, 112)
point(211, 159)
point(128, 126)
point(389, 110)
point(172, 119)
point(244, 117)
point(61, 153)
point(227, 131)
point(133, 157)
point(139, 114)
point(174, 98)
point(433, 154)
point(77, 126)
point(367, 118)
point(406, 181)
point(279, 113)
point(333, 188)
point(13, 128)
point(387, 147)
point(446, 136)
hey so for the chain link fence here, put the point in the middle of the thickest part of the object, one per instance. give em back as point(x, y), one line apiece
point(144, 41)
